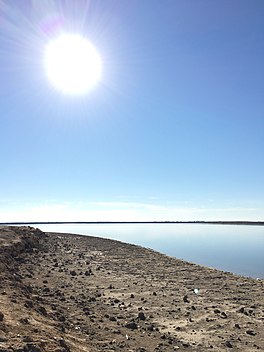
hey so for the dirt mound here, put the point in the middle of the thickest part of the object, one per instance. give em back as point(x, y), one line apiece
point(69, 293)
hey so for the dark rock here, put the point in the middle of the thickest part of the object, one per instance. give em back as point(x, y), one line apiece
point(223, 315)
point(42, 310)
point(73, 273)
point(24, 321)
point(64, 344)
point(141, 316)
point(112, 318)
point(31, 348)
point(251, 332)
point(186, 344)
point(185, 299)
point(131, 325)
point(217, 311)
point(1, 316)
point(28, 304)
point(150, 327)
point(237, 326)
point(229, 344)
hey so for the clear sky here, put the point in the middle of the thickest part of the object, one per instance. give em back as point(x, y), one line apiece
point(173, 131)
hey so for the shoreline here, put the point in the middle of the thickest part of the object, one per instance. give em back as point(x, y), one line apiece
point(75, 293)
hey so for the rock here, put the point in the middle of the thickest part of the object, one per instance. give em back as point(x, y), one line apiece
point(251, 332)
point(42, 310)
point(237, 326)
point(31, 348)
point(64, 344)
point(112, 318)
point(131, 325)
point(223, 315)
point(141, 316)
point(229, 344)
point(1, 316)
point(73, 273)
point(28, 304)
point(241, 310)
point(185, 299)
point(186, 344)
point(150, 327)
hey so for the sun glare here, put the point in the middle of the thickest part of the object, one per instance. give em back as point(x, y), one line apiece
point(72, 64)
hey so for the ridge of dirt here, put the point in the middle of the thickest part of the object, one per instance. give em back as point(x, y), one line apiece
point(69, 293)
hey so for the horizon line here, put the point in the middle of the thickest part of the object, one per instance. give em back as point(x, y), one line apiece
point(219, 222)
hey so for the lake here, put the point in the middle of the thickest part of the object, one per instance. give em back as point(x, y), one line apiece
point(235, 248)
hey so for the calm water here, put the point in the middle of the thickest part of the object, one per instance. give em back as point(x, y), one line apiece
point(238, 249)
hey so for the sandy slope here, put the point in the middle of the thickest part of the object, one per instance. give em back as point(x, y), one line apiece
point(62, 292)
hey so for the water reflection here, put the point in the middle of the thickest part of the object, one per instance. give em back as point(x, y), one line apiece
point(238, 249)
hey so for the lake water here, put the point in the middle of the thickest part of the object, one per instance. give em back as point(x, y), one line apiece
point(238, 249)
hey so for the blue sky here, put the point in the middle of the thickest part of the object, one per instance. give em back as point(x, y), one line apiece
point(174, 130)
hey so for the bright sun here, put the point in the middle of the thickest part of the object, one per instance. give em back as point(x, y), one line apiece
point(72, 64)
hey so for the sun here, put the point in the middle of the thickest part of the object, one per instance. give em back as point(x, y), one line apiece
point(72, 64)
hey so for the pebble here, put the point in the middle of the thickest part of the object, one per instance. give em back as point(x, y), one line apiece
point(131, 325)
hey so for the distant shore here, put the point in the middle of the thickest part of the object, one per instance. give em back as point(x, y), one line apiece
point(250, 223)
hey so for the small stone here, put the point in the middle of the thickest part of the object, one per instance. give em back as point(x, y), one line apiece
point(186, 344)
point(251, 332)
point(223, 315)
point(217, 311)
point(150, 327)
point(229, 344)
point(42, 310)
point(28, 304)
point(31, 348)
point(1, 316)
point(131, 325)
point(185, 299)
point(141, 316)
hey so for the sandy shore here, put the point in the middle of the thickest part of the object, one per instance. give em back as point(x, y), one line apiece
point(69, 293)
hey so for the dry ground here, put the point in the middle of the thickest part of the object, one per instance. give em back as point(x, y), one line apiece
point(69, 293)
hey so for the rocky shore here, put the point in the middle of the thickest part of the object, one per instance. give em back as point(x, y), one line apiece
point(71, 293)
